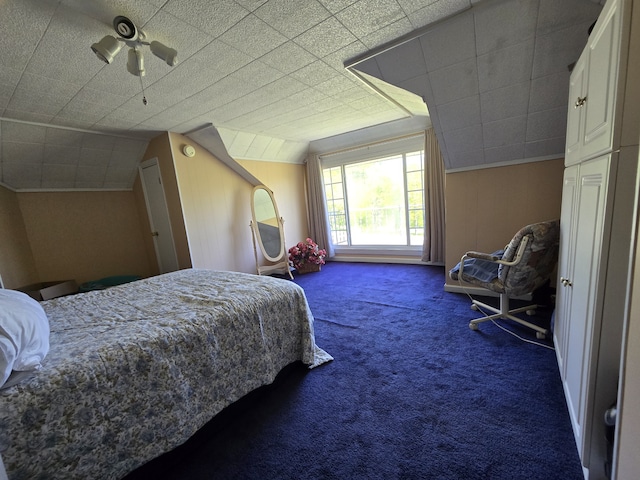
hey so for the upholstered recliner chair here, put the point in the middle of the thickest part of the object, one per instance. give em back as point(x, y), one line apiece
point(525, 265)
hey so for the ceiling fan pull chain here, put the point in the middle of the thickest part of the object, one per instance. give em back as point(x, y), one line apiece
point(144, 98)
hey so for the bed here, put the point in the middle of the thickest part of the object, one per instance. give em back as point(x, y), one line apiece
point(134, 370)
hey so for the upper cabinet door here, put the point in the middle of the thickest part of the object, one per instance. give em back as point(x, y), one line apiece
point(602, 81)
point(593, 89)
point(575, 118)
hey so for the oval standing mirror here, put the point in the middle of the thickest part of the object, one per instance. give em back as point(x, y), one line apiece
point(267, 226)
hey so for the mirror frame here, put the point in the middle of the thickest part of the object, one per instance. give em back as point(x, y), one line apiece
point(256, 230)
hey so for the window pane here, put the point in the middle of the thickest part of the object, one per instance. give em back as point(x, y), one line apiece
point(375, 192)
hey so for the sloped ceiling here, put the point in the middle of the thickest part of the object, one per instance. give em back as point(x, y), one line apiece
point(495, 77)
point(270, 75)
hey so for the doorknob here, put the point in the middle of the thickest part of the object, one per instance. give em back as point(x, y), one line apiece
point(566, 282)
point(580, 102)
point(154, 234)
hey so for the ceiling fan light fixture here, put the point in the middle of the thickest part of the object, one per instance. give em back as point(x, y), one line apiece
point(167, 54)
point(135, 63)
point(107, 48)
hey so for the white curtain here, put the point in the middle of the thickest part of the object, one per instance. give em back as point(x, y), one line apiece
point(319, 229)
point(434, 225)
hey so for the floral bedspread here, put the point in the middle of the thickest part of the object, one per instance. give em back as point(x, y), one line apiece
point(134, 370)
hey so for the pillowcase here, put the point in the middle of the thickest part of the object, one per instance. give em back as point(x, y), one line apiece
point(24, 333)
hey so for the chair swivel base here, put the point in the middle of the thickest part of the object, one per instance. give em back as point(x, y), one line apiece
point(505, 313)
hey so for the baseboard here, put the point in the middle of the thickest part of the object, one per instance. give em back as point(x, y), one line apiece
point(481, 292)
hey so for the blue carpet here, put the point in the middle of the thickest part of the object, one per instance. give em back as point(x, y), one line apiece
point(413, 393)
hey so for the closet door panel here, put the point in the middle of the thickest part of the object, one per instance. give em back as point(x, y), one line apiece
point(581, 333)
point(602, 79)
point(565, 264)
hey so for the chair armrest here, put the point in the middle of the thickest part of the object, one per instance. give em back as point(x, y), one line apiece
point(482, 256)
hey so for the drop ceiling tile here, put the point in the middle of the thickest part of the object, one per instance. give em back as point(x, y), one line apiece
point(402, 63)
point(504, 67)
point(501, 25)
point(54, 176)
point(545, 148)
point(63, 137)
point(13, 152)
point(139, 11)
point(334, 6)
point(22, 132)
point(437, 11)
point(449, 43)
point(215, 18)
point(277, 149)
point(262, 37)
point(549, 92)
point(555, 51)
point(420, 86)
point(292, 17)
point(98, 98)
point(460, 113)
point(337, 59)
point(325, 38)
point(75, 63)
point(68, 117)
point(251, 5)
point(368, 67)
point(335, 85)
point(465, 140)
point(98, 141)
point(470, 158)
point(90, 175)
point(451, 83)
point(35, 103)
point(556, 15)
point(547, 124)
point(288, 57)
point(129, 145)
point(22, 25)
point(21, 175)
point(388, 33)
point(61, 155)
point(510, 131)
point(367, 16)
point(505, 102)
point(258, 146)
point(125, 160)
point(119, 176)
point(93, 157)
point(504, 153)
point(315, 73)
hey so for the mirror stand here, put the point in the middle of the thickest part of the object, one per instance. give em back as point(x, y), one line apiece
point(267, 227)
point(279, 267)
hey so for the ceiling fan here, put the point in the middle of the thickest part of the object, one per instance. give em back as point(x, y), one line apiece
point(130, 35)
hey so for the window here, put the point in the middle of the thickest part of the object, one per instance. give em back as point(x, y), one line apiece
point(376, 201)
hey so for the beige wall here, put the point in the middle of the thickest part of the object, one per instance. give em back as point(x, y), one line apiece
point(17, 266)
point(485, 208)
point(216, 209)
point(287, 181)
point(161, 148)
point(84, 235)
point(628, 462)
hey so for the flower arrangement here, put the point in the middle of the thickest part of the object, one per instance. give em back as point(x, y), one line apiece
point(305, 253)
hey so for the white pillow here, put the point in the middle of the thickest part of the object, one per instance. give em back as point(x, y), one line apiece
point(24, 333)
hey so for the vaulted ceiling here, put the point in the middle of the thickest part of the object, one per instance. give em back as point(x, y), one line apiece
point(271, 76)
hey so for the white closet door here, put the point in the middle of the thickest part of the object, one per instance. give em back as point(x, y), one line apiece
point(585, 284)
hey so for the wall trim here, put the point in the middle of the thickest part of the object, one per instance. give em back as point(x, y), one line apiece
point(508, 163)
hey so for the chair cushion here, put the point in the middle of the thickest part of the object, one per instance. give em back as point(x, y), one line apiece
point(538, 261)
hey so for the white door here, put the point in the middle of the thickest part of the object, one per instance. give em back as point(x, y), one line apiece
point(158, 216)
point(584, 281)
